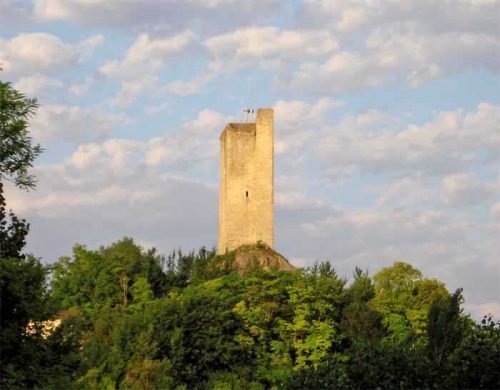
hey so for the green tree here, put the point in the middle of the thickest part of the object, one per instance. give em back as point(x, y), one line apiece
point(315, 298)
point(388, 365)
point(93, 279)
point(17, 150)
point(22, 278)
point(444, 327)
point(211, 328)
point(316, 343)
point(474, 362)
point(359, 319)
point(22, 302)
point(13, 231)
point(403, 297)
point(17, 154)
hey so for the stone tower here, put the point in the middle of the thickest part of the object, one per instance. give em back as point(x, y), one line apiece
point(246, 200)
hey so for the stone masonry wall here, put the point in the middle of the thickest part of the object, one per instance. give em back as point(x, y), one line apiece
point(246, 201)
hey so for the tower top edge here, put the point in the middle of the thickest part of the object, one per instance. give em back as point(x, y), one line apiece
point(264, 112)
point(245, 127)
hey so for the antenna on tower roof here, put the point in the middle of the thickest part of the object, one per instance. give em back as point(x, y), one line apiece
point(249, 112)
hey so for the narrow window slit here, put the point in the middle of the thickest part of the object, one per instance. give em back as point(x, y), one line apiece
point(246, 194)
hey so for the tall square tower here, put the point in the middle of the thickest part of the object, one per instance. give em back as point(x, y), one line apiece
point(246, 198)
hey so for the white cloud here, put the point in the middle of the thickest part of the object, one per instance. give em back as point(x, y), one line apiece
point(35, 53)
point(396, 41)
point(157, 108)
point(130, 89)
point(495, 214)
point(396, 54)
point(172, 15)
point(149, 207)
point(195, 144)
point(483, 309)
point(348, 46)
point(79, 87)
point(335, 46)
point(74, 124)
point(35, 85)
point(144, 58)
point(439, 15)
point(267, 47)
point(146, 54)
point(28, 53)
point(399, 225)
point(54, 9)
point(119, 157)
point(297, 122)
point(297, 113)
point(446, 144)
point(119, 170)
point(192, 87)
point(441, 244)
point(495, 210)
point(407, 192)
point(356, 232)
point(87, 47)
point(462, 189)
point(294, 200)
point(14, 12)
point(119, 187)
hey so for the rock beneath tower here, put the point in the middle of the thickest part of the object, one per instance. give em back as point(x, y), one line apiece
point(257, 256)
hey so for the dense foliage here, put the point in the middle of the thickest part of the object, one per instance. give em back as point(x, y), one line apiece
point(137, 320)
point(17, 150)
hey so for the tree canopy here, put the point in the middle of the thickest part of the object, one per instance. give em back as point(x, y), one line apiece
point(307, 329)
point(17, 150)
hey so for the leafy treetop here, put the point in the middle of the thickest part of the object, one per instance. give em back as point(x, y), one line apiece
point(17, 150)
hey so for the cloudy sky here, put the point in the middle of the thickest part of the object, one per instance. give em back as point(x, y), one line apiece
point(387, 126)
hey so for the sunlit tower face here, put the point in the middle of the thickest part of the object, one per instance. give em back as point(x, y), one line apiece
point(246, 200)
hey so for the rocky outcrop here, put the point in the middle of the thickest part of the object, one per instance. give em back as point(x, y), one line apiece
point(258, 256)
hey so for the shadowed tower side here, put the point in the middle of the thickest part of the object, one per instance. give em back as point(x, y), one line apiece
point(246, 199)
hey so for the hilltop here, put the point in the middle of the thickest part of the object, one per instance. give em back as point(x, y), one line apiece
point(257, 256)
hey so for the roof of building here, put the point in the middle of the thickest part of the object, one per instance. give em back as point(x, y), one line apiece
point(239, 127)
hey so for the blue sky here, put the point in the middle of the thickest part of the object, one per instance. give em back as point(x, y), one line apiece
point(387, 126)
